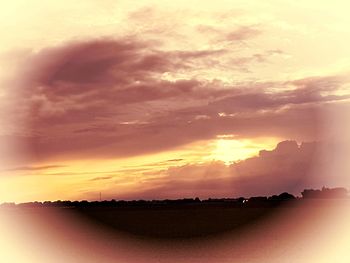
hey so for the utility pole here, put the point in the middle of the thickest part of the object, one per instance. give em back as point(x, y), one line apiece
point(100, 196)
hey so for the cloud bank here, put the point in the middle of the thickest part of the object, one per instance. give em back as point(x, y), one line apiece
point(288, 167)
point(106, 98)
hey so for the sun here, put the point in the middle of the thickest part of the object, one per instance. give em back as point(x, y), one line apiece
point(228, 149)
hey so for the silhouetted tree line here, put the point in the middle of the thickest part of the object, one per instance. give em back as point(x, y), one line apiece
point(255, 201)
point(325, 193)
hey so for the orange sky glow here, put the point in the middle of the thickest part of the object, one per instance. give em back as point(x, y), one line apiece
point(171, 99)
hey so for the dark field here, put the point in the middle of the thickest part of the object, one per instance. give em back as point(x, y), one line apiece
point(186, 218)
point(194, 221)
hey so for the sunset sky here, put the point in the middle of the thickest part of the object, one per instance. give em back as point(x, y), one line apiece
point(171, 99)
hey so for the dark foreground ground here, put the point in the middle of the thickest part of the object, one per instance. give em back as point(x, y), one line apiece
point(298, 231)
point(165, 219)
point(186, 218)
point(177, 222)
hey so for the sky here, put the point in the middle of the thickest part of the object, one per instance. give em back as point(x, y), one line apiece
point(172, 99)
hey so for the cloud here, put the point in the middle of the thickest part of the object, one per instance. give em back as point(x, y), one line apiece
point(109, 98)
point(101, 178)
point(286, 168)
point(101, 61)
point(174, 160)
point(239, 34)
point(35, 168)
point(243, 33)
